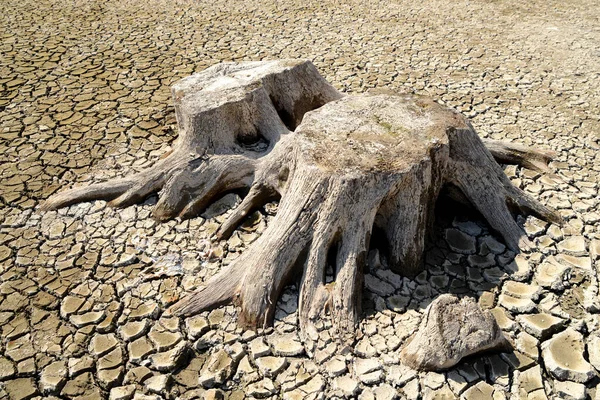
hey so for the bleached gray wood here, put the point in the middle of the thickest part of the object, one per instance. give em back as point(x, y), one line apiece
point(452, 329)
point(229, 116)
point(514, 153)
point(340, 164)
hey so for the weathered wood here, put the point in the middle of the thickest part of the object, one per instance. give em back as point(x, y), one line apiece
point(514, 153)
point(452, 329)
point(229, 116)
point(352, 163)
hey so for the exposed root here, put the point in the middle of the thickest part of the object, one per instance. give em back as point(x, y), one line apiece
point(100, 191)
point(263, 274)
point(219, 290)
point(315, 213)
point(120, 192)
point(282, 244)
point(191, 189)
point(187, 186)
point(527, 205)
point(349, 278)
point(258, 196)
point(513, 153)
point(473, 170)
point(314, 293)
point(356, 162)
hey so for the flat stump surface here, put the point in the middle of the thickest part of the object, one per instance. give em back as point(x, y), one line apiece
point(375, 133)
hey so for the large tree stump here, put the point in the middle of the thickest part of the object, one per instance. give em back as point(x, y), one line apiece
point(352, 163)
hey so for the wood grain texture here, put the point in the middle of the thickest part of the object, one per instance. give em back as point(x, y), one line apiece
point(340, 165)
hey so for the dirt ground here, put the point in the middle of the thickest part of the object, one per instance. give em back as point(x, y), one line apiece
point(84, 95)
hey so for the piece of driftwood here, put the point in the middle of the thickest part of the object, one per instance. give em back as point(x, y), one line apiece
point(452, 329)
point(340, 165)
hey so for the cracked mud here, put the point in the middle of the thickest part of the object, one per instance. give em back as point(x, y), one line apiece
point(84, 88)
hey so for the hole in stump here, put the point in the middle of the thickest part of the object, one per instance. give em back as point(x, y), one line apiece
point(252, 141)
point(330, 272)
point(292, 116)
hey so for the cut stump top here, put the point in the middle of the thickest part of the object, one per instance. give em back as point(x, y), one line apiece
point(376, 132)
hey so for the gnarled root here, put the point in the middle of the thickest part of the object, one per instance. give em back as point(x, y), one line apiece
point(191, 189)
point(188, 185)
point(318, 212)
point(353, 163)
point(481, 180)
point(229, 116)
point(514, 153)
point(122, 191)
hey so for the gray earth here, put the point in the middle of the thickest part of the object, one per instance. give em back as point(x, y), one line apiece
point(84, 91)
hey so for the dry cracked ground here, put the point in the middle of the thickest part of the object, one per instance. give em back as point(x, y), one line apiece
point(84, 95)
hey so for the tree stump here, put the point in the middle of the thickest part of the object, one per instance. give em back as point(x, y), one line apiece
point(340, 165)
